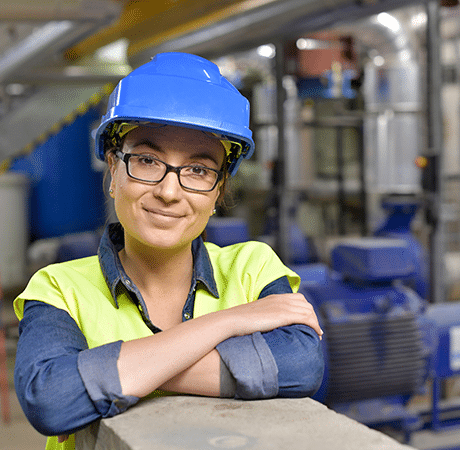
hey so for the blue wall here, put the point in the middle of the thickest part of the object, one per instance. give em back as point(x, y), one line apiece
point(66, 192)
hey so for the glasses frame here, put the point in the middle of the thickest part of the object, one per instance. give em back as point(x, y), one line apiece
point(125, 157)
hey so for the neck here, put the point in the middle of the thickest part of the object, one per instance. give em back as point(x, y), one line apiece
point(147, 267)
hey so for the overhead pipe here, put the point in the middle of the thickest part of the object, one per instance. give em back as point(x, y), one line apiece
point(50, 40)
point(52, 10)
point(282, 20)
point(74, 75)
point(222, 36)
point(29, 50)
point(44, 45)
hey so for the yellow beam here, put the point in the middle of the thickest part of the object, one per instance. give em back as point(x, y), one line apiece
point(141, 43)
point(144, 22)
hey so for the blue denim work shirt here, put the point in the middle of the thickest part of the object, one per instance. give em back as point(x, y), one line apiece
point(63, 385)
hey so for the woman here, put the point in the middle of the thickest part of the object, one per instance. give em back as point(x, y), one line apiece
point(97, 334)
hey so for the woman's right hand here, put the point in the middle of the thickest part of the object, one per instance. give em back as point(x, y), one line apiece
point(147, 363)
point(274, 311)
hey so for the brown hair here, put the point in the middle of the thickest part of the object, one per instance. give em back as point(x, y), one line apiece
point(224, 196)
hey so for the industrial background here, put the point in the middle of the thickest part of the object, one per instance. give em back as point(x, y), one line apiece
point(355, 109)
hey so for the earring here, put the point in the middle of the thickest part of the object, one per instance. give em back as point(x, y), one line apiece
point(110, 191)
point(214, 211)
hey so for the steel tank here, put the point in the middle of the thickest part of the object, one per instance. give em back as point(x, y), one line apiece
point(393, 135)
point(392, 127)
point(14, 230)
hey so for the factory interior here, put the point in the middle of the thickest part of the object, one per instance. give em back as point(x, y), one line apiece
point(361, 196)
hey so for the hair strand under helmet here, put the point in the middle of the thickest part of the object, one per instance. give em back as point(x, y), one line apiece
point(183, 90)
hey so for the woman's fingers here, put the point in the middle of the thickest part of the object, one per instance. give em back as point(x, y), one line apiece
point(300, 311)
point(275, 311)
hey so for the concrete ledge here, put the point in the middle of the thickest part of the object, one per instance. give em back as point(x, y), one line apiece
point(200, 423)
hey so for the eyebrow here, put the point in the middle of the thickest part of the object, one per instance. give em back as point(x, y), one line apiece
point(154, 146)
point(148, 143)
point(206, 156)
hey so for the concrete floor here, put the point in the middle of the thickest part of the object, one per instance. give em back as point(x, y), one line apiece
point(20, 435)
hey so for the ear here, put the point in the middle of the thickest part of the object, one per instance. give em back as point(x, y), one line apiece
point(112, 162)
point(111, 189)
point(221, 189)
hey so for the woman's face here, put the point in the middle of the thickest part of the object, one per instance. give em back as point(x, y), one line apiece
point(163, 215)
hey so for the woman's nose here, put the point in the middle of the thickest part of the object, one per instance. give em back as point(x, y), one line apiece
point(169, 187)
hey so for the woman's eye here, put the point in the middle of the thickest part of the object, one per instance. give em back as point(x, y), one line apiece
point(199, 171)
point(147, 160)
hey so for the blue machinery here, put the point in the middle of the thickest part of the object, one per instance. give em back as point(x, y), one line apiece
point(384, 343)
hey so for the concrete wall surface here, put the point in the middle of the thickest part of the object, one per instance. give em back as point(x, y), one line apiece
point(199, 423)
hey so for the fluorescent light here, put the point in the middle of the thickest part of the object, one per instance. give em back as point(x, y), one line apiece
point(114, 52)
point(389, 21)
point(267, 51)
point(379, 60)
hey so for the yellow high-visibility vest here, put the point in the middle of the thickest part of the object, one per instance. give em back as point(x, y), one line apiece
point(241, 271)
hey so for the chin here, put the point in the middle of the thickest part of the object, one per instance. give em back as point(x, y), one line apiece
point(163, 241)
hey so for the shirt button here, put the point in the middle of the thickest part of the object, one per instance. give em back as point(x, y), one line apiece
point(120, 404)
point(187, 316)
point(128, 282)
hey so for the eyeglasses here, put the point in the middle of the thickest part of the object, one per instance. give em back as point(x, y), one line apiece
point(152, 170)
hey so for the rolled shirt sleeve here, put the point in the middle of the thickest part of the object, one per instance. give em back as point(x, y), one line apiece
point(250, 361)
point(284, 362)
point(99, 372)
point(297, 351)
point(62, 385)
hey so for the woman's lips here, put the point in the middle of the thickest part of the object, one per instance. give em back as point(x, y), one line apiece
point(163, 213)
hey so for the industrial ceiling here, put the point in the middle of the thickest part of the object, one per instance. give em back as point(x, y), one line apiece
point(47, 48)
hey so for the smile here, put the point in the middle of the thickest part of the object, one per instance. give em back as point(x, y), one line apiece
point(162, 213)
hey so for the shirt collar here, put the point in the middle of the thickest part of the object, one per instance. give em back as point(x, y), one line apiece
point(112, 242)
point(203, 267)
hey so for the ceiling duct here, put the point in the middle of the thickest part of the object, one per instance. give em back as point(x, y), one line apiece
point(57, 10)
point(389, 35)
point(56, 26)
point(281, 20)
point(41, 44)
point(59, 27)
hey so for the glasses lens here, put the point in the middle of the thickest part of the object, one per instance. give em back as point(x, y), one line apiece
point(146, 168)
point(198, 178)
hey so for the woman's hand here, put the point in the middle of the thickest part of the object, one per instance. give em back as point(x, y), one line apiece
point(274, 311)
point(146, 364)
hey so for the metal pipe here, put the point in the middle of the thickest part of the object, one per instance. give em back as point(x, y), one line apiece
point(54, 36)
point(75, 75)
point(280, 20)
point(282, 241)
point(434, 196)
point(52, 10)
point(457, 81)
point(362, 178)
point(340, 180)
point(27, 49)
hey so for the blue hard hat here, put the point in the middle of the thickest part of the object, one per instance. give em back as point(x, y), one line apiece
point(183, 90)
